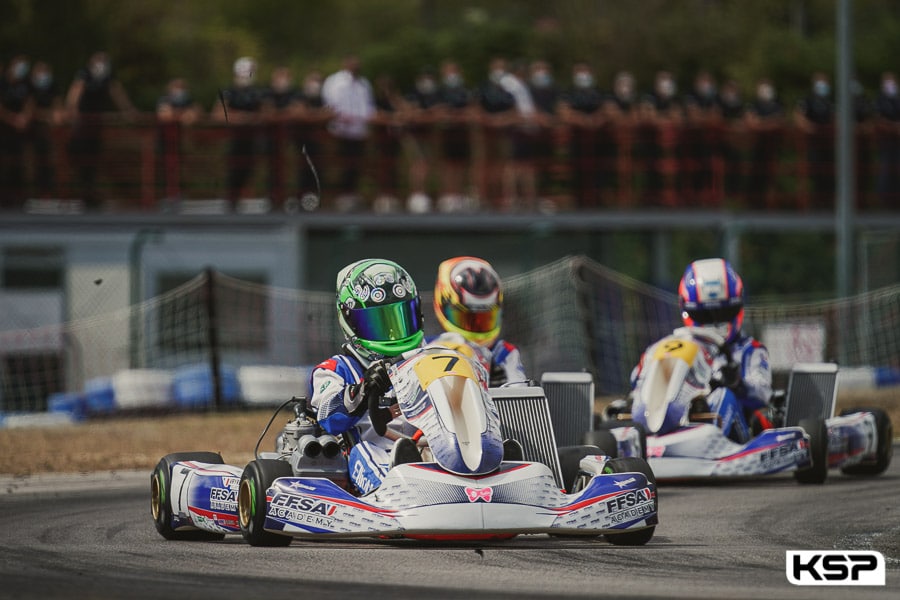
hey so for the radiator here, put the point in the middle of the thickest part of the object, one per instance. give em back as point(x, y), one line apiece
point(811, 392)
point(571, 399)
point(525, 417)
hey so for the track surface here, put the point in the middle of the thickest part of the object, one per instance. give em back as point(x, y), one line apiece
point(92, 537)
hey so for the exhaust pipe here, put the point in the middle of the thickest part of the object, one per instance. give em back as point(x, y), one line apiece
point(330, 446)
point(309, 446)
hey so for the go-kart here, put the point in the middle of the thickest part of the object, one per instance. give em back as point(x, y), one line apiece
point(470, 483)
point(685, 440)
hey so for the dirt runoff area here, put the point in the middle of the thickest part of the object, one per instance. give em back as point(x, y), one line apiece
point(138, 442)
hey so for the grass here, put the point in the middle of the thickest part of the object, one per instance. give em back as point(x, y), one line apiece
point(127, 443)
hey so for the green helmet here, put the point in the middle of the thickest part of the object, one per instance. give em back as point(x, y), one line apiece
point(378, 308)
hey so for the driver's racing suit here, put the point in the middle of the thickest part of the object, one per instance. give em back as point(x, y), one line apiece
point(370, 455)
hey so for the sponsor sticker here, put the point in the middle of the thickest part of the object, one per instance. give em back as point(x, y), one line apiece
point(482, 494)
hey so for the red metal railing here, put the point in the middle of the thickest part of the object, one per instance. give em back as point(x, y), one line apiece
point(635, 165)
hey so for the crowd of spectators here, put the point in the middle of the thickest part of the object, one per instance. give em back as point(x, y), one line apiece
point(518, 137)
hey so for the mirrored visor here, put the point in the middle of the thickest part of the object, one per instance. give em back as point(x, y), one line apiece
point(481, 321)
point(387, 323)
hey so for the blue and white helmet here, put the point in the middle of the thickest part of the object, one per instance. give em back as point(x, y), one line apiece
point(711, 295)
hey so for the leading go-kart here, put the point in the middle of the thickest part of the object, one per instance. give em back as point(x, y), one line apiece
point(686, 440)
point(464, 489)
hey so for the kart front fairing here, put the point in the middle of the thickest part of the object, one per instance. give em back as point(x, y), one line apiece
point(702, 450)
point(423, 499)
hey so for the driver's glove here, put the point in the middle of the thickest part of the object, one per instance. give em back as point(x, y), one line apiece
point(375, 382)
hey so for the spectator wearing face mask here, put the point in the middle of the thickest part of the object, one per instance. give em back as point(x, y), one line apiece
point(664, 115)
point(420, 118)
point(16, 114)
point(700, 141)
point(765, 121)
point(621, 108)
point(496, 117)
point(519, 181)
point(887, 142)
point(94, 95)
point(456, 115)
point(175, 110)
point(814, 116)
point(581, 112)
point(48, 113)
point(546, 96)
point(240, 110)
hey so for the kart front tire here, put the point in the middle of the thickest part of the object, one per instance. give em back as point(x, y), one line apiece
point(257, 477)
point(884, 445)
point(160, 496)
point(818, 450)
point(631, 464)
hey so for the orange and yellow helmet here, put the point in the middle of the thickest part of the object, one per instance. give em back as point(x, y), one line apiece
point(468, 299)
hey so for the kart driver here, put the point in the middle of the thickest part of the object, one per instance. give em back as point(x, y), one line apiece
point(468, 302)
point(711, 298)
point(381, 317)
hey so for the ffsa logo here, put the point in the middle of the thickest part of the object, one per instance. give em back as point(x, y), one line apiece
point(834, 567)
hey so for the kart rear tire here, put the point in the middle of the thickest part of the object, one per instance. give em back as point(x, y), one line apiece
point(627, 465)
point(884, 449)
point(257, 477)
point(818, 450)
point(642, 432)
point(604, 440)
point(160, 500)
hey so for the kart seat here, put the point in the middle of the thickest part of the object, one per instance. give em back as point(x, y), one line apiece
point(404, 452)
point(512, 450)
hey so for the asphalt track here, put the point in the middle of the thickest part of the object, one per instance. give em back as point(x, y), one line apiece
point(91, 536)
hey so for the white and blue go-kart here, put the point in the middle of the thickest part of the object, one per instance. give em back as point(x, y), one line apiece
point(465, 489)
point(684, 440)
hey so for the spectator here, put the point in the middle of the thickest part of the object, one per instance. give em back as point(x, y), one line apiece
point(241, 107)
point(349, 95)
point(16, 114)
point(863, 111)
point(765, 120)
point(94, 94)
point(455, 114)
point(546, 97)
point(700, 143)
point(731, 108)
point(580, 111)
point(281, 104)
point(311, 120)
point(387, 134)
point(519, 181)
point(887, 139)
point(621, 108)
point(175, 109)
point(668, 118)
point(48, 106)
point(814, 115)
point(497, 114)
point(420, 119)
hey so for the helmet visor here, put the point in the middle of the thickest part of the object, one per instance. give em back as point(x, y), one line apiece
point(389, 322)
point(710, 316)
point(478, 321)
